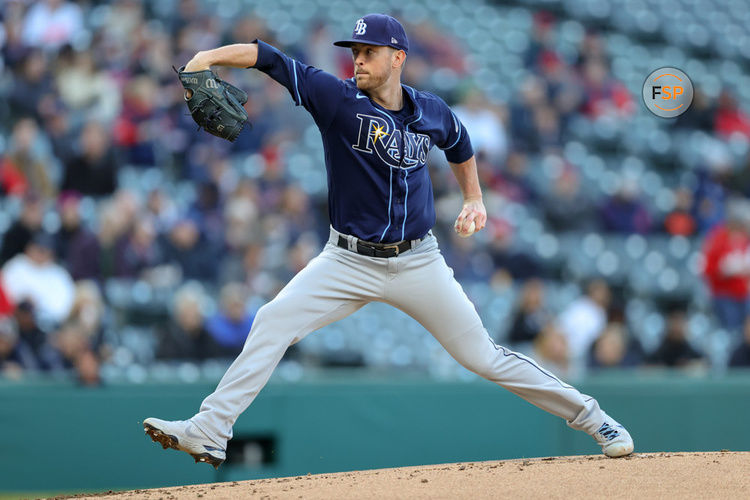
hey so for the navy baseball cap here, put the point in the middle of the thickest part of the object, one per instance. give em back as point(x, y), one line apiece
point(377, 29)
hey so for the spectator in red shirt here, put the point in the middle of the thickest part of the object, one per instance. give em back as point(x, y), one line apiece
point(604, 95)
point(680, 221)
point(729, 118)
point(727, 265)
point(6, 306)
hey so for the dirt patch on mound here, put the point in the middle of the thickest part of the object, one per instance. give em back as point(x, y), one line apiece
point(643, 475)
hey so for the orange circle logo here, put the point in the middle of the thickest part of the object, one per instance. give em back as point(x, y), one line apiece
point(667, 92)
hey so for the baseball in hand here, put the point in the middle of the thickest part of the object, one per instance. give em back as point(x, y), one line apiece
point(472, 229)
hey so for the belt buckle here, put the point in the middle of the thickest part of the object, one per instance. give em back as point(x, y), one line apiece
point(395, 247)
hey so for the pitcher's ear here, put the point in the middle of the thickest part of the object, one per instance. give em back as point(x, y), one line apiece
point(399, 57)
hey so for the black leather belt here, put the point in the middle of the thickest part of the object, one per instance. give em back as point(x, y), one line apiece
point(383, 250)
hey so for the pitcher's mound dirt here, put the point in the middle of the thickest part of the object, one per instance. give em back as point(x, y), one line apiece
point(642, 475)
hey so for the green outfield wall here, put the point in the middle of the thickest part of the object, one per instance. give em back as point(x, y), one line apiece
point(57, 437)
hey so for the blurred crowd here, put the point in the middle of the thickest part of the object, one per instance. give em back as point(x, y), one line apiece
point(88, 92)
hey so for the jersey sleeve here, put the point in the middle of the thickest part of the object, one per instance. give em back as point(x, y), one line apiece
point(318, 91)
point(455, 141)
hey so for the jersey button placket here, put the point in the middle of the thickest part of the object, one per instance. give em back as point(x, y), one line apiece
point(398, 210)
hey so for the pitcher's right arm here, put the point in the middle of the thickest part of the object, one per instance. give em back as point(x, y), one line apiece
point(318, 91)
point(238, 55)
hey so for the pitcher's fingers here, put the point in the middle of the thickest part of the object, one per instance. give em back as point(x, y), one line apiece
point(460, 219)
point(470, 217)
point(480, 221)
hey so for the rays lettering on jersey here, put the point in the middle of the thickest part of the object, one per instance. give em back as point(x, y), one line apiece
point(375, 135)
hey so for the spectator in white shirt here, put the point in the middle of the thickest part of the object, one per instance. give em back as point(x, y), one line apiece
point(584, 319)
point(35, 276)
point(484, 126)
point(50, 24)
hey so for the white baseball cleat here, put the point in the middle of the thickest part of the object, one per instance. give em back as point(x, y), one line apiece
point(184, 436)
point(614, 439)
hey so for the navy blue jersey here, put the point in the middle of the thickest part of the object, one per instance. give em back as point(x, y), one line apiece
point(379, 187)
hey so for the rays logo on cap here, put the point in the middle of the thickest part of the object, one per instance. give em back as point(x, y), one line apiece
point(360, 27)
point(376, 29)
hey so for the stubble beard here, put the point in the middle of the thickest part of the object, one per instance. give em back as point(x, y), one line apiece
point(371, 81)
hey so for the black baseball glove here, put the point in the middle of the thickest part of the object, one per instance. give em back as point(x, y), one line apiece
point(215, 105)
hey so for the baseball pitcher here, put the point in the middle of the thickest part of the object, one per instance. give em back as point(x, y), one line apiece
point(376, 133)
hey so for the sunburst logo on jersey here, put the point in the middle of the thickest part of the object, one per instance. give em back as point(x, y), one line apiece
point(378, 132)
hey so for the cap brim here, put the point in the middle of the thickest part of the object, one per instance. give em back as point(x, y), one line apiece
point(351, 41)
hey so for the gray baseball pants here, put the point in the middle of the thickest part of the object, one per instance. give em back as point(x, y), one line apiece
point(337, 283)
